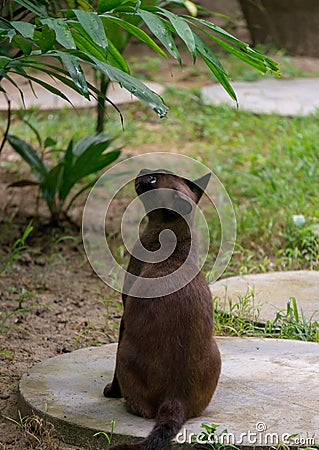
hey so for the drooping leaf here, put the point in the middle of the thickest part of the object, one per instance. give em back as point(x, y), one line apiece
point(240, 54)
point(49, 87)
point(133, 85)
point(268, 63)
point(63, 34)
point(137, 32)
point(214, 65)
point(5, 24)
point(36, 7)
point(161, 30)
point(116, 59)
point(108, 5)
point(93, 25)
point(74, 68)
point(182, 29)
point(26, 29)
point(85, 43)
point(58, 73)
point(29, 155)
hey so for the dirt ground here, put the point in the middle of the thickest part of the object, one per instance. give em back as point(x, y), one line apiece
point(57, 304)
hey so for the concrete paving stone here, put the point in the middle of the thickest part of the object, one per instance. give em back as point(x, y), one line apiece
point(269, 292)
point(43, 99)
point(293, 97)
point(268, 387)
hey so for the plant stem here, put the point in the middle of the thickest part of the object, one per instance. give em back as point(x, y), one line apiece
point(101, 104)
point(8, 124)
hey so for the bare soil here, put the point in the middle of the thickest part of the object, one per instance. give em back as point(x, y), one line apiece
point(54, 301)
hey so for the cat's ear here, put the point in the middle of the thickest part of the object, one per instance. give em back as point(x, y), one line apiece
point(181, 205)
point(198, 186)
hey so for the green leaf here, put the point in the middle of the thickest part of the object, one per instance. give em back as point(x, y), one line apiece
point(93, 25)
point(56, 72)
point(116, 59)
point(26, 29)
point(268, 63)
point(49, 142)
point(62, 32)
point(137, 32)
point(49, 87)
point(87, 163)
point(72, 65)
point(99, 141)
point(108, 5)
point(49, 186)
point(4, 61)
point(240, 54)
point(182, 29)
point(45, 39)
point(35, 7)
point(214, 65)
point(133, 85)
point(222, 78)
point(161, 30)
point(29, 155)
point(85, 158)
point(22, 44)
point(5, 24)
point(85, 43)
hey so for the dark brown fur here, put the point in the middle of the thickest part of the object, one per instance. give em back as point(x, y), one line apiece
point(168, 363)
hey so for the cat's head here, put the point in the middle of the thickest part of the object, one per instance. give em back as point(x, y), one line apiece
point(165, 190)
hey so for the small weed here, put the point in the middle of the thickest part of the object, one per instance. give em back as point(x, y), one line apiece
point(17, 249)
point(6, 353)
point(108, 436)
point(292, 324)
point(237, 318)
point(37, 433)
point(4, 317)
point(210, 438)
point(241, 318)
point(21, 296)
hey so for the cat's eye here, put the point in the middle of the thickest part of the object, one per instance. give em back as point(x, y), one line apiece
point(153, 180)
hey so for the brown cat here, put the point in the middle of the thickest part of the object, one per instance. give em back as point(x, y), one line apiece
point(167, 364)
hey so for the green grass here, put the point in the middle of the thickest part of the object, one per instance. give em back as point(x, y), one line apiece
point(240, 317)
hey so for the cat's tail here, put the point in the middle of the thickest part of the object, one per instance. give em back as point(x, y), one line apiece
point(169, 420)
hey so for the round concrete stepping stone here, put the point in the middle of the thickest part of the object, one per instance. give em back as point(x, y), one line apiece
point(268, 390)
point(268, 293)
point(41, 98)
point(295, 97)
